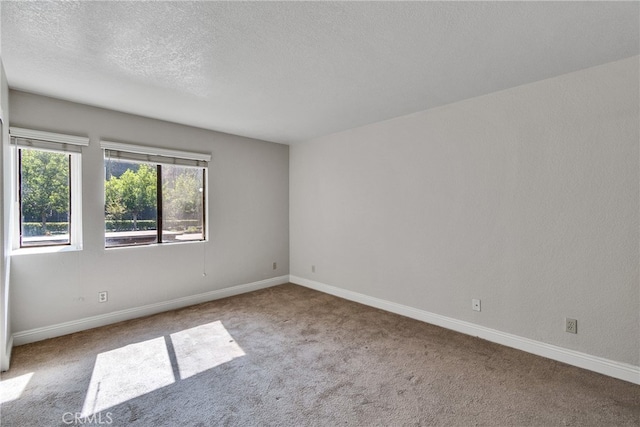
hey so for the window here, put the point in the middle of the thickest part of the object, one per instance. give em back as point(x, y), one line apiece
point(48, 188)
point(45, 197)
point(153, 195)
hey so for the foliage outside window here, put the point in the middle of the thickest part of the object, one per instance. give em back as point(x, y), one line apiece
point(45, 197)
point(152, 202)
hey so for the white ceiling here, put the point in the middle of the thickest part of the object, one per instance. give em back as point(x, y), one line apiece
point(291, 71)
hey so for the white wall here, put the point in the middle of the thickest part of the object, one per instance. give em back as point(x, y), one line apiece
point(248, 221)
point(525, 198)
point(5, 227)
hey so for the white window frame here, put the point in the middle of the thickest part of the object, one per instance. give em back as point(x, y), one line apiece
point(157, 155)
point(53, 142)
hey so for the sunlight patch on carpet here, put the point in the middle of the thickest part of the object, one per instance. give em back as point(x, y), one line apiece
point(137, 369)
point(126, 373)
point(12, 389)
point(203, 347)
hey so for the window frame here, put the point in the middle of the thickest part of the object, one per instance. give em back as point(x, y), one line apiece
point(157, 157)
point(71, 197)
point(71, 145)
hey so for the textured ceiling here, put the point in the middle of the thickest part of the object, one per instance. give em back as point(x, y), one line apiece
point(291, 71)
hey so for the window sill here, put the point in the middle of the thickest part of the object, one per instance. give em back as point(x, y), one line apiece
point(46, 250)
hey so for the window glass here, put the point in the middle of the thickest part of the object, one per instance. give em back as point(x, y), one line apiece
point(140, 209)
point(130, 203)
point(182, 203)
point(45, 198)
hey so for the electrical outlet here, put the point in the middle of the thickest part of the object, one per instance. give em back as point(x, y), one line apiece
point(313, 268)
point(475, 304)
point(102, 296)
point(571, 325)
point(275, 265)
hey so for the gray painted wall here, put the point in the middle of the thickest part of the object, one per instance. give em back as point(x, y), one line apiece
point(248, 221)
point(525, 198)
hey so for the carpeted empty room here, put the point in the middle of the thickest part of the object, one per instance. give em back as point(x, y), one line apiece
point(319, 213)
point(288, 355)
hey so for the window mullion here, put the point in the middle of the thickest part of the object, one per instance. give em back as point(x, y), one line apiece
point(20, 219)
point(70, 201)
point(204, 204)
point(159, 201)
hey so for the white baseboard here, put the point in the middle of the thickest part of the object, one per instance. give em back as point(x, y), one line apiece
point(601, 365)
point(38, 334)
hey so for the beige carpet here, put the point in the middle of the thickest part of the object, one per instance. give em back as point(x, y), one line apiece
point(291, 356)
